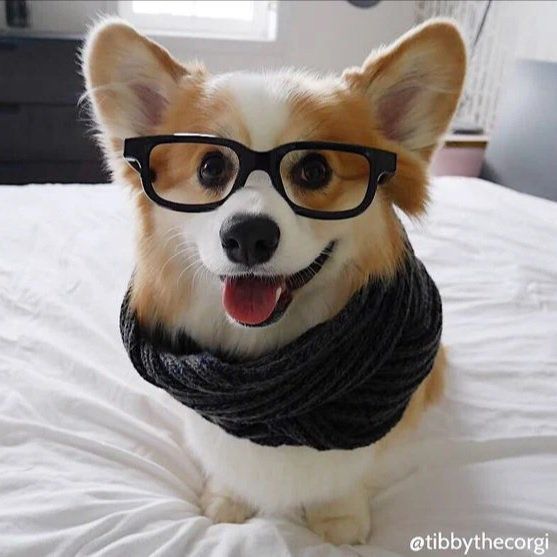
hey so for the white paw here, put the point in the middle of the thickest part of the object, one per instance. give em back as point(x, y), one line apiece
point(343, 521)
point(221, 506)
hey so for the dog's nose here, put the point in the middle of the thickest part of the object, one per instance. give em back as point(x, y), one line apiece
point(249, 239)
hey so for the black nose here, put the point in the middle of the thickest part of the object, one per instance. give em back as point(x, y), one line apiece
point(249, 239)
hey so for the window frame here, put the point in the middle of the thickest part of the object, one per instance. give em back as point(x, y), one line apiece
point(263, 28)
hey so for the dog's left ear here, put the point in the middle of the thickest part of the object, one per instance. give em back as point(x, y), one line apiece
point(414, 85)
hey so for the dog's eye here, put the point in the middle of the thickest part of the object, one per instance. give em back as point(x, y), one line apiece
point(214, 170)
point(311, 172)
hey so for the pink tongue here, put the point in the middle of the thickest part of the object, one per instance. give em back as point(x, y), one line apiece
point(249, 300)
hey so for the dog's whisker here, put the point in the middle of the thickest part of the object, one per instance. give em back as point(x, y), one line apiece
point(184, 270)
point(174, 256)
point(201, 268)
point(172, 234)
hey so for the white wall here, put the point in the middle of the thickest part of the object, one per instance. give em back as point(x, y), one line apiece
point(535, 24)
point(322, 35)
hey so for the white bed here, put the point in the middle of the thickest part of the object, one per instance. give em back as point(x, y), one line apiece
point(93, 460)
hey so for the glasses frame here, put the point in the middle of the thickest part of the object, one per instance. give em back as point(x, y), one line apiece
point(137, 151)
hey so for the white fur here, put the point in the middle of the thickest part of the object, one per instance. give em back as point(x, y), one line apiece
point(275, 478)
point(263, 103)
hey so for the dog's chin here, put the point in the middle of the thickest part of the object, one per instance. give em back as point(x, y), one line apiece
point(258, 300)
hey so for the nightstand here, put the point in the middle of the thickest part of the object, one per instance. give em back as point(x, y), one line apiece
point(461, 155)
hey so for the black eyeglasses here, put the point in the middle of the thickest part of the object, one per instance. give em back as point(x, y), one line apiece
point(196, 173)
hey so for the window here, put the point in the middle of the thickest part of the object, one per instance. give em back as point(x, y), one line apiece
point(245, 20)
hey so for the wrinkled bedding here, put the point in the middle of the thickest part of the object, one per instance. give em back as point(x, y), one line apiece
point(93, 460)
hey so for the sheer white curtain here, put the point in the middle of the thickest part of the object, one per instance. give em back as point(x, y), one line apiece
point(513, 29)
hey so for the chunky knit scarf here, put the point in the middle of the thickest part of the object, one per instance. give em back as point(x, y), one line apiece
point(343, 384)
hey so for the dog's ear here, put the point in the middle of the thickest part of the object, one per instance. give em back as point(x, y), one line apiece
point(413, 86)
point(130, 80)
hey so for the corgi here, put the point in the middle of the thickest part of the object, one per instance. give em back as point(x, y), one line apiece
point(400, 100)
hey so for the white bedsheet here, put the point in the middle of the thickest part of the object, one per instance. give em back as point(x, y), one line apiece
point(93, 459)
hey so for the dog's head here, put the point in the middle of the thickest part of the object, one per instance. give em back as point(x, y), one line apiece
point(253, 259)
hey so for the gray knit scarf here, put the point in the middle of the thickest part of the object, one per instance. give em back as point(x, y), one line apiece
point(341, 385)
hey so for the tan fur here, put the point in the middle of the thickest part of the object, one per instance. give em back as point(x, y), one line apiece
point(401, 99)
point(428, 393)
point(342, 114)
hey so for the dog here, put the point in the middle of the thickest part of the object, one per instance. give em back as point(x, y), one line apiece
point(400, 100)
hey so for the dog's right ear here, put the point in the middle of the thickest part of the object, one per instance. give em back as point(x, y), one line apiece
point(130, 80)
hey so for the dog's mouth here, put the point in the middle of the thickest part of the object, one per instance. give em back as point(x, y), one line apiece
point(257, 300)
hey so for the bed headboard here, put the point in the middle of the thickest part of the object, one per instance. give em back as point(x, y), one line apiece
point(522, 150)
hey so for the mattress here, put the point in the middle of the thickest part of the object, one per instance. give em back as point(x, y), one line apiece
point(94, 461)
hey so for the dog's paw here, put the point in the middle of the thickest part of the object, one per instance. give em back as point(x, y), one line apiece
point(221, 506)
point(343, 521)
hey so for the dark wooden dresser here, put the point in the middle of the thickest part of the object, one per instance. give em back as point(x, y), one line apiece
point(44, 135)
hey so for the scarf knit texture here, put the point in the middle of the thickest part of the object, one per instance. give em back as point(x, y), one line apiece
point(341, 385)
